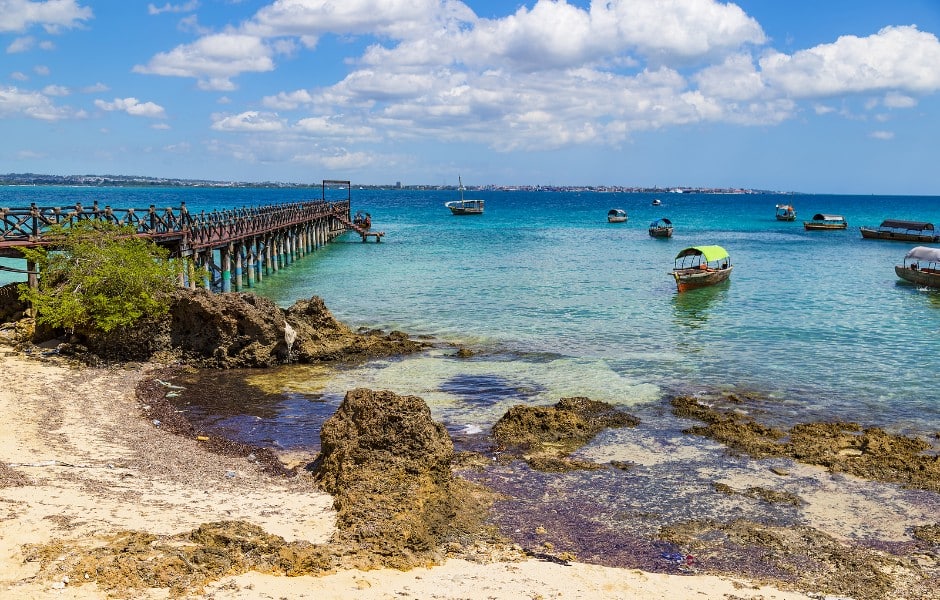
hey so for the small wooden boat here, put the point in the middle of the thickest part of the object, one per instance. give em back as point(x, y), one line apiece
point(661, 228)
point(464, 207)
point(616, 215)
point(822, 221)
point(786, 212)
point(904, 231)
point(921, 266)
point(701, 266)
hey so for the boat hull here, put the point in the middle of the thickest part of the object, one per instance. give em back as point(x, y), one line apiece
point(928, 279)
point(786, 217)
point(690, 279)
point(875, 234)
point(660, 232)
point(616, 219)
point(465, 207)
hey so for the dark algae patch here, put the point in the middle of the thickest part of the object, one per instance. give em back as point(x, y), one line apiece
point(800, 556)
point(870, 453)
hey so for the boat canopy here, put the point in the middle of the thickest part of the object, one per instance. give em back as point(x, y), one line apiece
point(616, 211)
point(923, 253)
point(710, 253)
point(664, 222)
point(908, 225)
point(823, 217)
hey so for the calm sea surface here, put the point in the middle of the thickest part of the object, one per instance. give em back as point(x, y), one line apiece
point(557, 302)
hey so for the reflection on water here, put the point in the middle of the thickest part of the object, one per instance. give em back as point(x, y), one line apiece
point(691, 309)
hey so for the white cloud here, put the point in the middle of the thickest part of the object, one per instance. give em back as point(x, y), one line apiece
point(20, 15)
point(898, 100)
point(896, 58)
point(251, 120)
point(333, 127)
point(173, 8)
point(133, 107)
point(288, 100)
point(18, 76)
point(16, 102)
point(96, 88)
point(213, 60)
point(41, 70)
point(21, 44)
point(551, 74)
point(56, 90)
point(882, 135)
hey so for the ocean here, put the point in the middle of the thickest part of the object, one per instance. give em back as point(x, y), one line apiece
point(554, 301)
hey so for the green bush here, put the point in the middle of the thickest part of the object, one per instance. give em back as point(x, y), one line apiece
point(99, 275)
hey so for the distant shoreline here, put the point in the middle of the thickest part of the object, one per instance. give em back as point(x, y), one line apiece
point(34, 179)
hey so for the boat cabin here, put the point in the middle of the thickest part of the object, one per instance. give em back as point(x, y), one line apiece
point(824, 221)
point(904, 231)
point(785, 212)
point(616, 215)
point(661, 228)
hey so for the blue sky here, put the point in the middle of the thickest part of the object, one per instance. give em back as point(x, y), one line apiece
point(837, 96)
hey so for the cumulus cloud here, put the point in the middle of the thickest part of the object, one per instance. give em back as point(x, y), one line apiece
point(251, 120)
point(132, 107)
point(21, 44)
point(213, 60)
point(16, 102)
point(20, 15)
point(172, 8)
point(896, 58)
point(551, 73)
point(56, 90)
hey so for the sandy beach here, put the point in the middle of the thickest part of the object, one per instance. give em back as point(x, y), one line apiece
point(80, 460)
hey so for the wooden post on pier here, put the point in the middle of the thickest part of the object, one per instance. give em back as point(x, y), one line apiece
point(225, 257)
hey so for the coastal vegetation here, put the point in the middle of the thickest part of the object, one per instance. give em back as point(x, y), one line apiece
point(99, 276)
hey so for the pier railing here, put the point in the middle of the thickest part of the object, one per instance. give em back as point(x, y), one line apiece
point(233, 246)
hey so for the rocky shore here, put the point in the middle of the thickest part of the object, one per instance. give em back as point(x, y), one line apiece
point(108, 491)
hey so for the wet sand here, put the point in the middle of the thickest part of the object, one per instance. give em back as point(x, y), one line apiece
point(82, 460)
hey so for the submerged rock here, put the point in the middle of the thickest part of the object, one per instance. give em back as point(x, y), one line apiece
point(545, 435)
point(871, 453)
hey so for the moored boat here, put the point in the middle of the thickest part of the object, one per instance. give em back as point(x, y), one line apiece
point(701, 266)
point(616, 215)
point(462, 206)
point(904, 231)
point(657, 202)
point(661, 228)
point(921, 265)
point(786, 212)
point(823, 221)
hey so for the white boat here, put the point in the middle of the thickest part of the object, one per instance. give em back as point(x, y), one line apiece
point(616, 215)
point(657, 202)
point(464, 206)
point(921, 266)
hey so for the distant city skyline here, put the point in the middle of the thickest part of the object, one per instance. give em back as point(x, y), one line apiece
point(832, 97)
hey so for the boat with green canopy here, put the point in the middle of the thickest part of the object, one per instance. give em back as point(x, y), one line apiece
point(701, 266)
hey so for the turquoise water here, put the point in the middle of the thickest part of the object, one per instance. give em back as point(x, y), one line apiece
point(557, 302)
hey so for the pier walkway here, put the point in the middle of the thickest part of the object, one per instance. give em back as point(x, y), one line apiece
point(227, 249)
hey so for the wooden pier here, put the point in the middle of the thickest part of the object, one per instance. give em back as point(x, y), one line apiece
point(235, 248)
